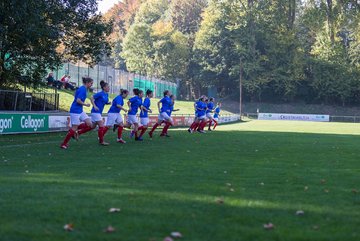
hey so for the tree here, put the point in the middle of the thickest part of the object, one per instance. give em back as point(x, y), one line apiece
point(186, 15)
point(138, 49)
point(122, 15)
point(31, 31)
point(153, 46)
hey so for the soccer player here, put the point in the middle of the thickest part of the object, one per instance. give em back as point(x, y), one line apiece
point(209, 111)
point(200, 115)
point(134, 104)
point(144, 116)
point(216, 115)
point(99, 100)
point(77, 115)
point(114, 117)
point(167, 125)
point(163, 116)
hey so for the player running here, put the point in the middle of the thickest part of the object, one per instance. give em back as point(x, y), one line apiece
point(77, 114)
point(200, 115)
point(167, 125)
point(163, 112)
point(216, 115)
point(114, 118)
point(134, 104)
point(99, 100)
point(209, 112)
point(144, 116)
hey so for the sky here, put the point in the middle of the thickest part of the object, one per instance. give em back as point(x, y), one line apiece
point(105, 5)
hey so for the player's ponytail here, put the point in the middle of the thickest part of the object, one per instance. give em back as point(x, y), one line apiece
point(103, 84)
point(87, 80)
point(124, 92)
point(149, 92)
point(136, 91)
point(166, 92)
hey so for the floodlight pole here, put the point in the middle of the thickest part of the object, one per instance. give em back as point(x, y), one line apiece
point(240, 87)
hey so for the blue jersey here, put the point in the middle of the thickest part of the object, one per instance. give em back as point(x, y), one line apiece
point(210, 107)
point(166, 103)
point(79, 94)
point(101, 99)
point(200, 108)
point(146, 104)
point(136, 103)
point(217, 111)
point(117, 101)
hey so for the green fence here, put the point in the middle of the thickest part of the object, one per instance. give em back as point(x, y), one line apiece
point(117, 79)
point(157, 87)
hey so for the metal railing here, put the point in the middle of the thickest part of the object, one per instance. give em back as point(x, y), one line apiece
point(333, 118)
point(27, 101)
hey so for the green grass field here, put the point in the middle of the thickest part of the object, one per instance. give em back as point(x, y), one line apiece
point(264, 171)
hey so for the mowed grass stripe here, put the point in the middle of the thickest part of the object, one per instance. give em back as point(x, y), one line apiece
point(172, 184)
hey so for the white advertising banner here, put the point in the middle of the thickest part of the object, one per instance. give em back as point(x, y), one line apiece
point(56, 122)
point(293, 117)
point(228, 119)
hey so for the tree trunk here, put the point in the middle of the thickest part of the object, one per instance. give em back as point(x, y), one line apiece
point(291, 13)
point(330, 20)
point(251, 26)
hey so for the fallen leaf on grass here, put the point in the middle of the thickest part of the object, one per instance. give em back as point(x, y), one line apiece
point(315, 227)
point(176, 235)
point(326, 190)
point(269, 226)
point(306, 188)
point(69, 227)
point(114, 210)
point(228, 184)
point(300, 212)
point(323, 181)
point(262, 184)
point(168, 239)
point(109, 229)
point(354, 191)
point(220, 200)
point(232, 190)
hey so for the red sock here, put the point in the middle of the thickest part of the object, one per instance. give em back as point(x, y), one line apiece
point(164, 131)
point(215, 124)
point(143, 130)
point(106, 129)
point(85, 129)
point(210, 122)
point(202, 125)
point(101, 134)
point(70, 134)
point(82, 126)
point(154, 127)
point(196, 125)
point(120, 130)
point(193, 125)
